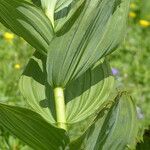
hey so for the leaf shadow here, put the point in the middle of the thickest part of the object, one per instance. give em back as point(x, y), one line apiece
point(68, 24)
point(36, 69)
point(81, 141)
point(84, 82)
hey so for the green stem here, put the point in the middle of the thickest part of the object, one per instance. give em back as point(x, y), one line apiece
point(60, 107)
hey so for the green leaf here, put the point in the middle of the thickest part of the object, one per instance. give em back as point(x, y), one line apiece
point(57, 4)
point(145, 144)
point(59, 11)
point(27, 21)
point(32, 128)
point(49, 8)
point(66, 11)
point(83, 97)
point(36, 2)
point(35, 89)
point(116, 130)
point(63, 3)
point(76, 130)
point(82, 41)
point(86, 96)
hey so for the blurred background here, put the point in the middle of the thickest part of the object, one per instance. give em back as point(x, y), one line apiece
point(130, 66)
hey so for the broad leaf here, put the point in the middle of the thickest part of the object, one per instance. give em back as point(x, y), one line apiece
point(66, 11)
point(63, 3)
point(83, 97)
point(32, 128)
point(49, 8)
point(116, 131)
point(37, 2)
point(76, 130)
point(91, 34)
point(35, 89)
point(59, 11)
point(87, 94)
point(57, 4)
point(27, 21)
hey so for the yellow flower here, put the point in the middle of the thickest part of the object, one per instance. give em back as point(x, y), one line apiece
point(144, 23)
point(132, 5)
point(132, 14)
point(8, 36)
point(17, 66)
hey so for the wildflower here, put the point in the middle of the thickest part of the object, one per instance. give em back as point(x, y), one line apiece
point(114, 71)
point(132, 5)
point(17, 66)
point(132, 14)
point(144, 23)
point(8, 36)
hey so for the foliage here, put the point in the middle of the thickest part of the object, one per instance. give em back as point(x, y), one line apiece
point(135, 77)
point(73, 82)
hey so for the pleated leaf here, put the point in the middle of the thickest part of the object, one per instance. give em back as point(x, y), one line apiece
point(76, 130)
point(32, 128)
point(34, 87)
point(49, 8)
point(57, 4)
point(66, 11)
point(83, 97)
point(27, 21)
point(116, 131)
point(59, 11)
point(95, 30)
point(63, 3)
point(37, 2)
point(86, 96)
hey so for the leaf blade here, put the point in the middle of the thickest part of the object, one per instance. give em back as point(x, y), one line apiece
point(34, 87)
point(27, 21)
point(32, 128)
point(88, 93)
point(117, 130)
point(83, 97)
point(81, 44)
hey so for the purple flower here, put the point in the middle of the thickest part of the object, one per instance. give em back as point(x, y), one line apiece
point(114, 71)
